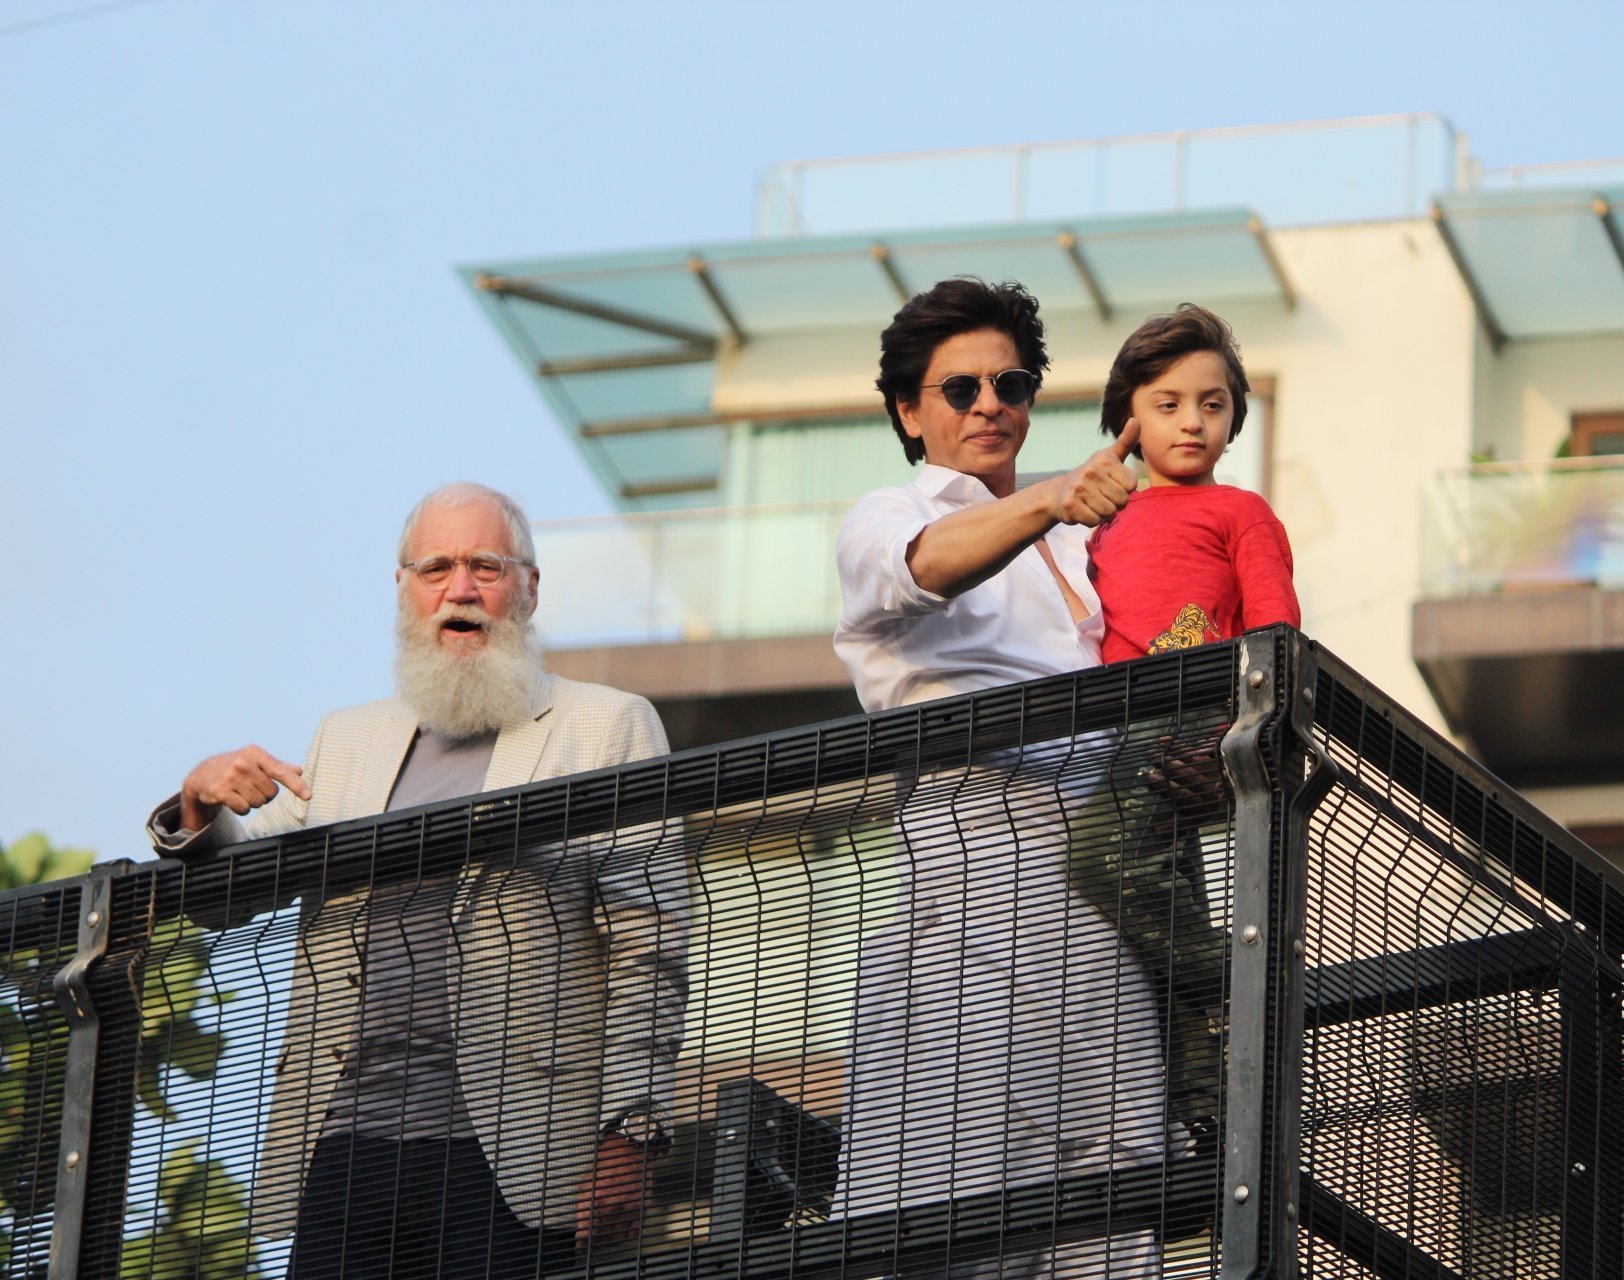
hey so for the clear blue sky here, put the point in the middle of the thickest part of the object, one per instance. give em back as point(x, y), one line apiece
point(232, 350)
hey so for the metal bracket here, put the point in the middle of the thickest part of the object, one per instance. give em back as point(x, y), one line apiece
point(1278, 781)
point(72, 988)
point(1245, 761)
point(774, 1159)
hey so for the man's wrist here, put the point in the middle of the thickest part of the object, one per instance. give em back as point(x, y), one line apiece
point(643, 1130)
point(193, 815)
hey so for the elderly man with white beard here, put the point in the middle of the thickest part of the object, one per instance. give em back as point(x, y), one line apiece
point(476, 1066)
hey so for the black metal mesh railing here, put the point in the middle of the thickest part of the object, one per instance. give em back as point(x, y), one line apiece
point(1462, 1070)
point(41, 930)
point(1002, 985)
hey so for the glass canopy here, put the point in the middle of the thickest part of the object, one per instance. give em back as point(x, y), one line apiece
point(624, 346)
point(1539, 263)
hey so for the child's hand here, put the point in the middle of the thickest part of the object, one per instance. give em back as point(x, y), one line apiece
point(1098, 489)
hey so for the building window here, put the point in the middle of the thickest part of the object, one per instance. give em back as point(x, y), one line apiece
point(1597, 435)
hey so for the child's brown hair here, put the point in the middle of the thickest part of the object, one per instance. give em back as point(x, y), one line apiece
point(1160, 343)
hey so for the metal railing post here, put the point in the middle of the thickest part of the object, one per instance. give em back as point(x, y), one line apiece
point(100, 993)
point(72, 988)
point(1274, 796)
point(1306, 780)
point(1589, 997)
point(1245, 761)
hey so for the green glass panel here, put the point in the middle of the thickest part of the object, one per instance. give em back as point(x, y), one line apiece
point(812, 461)
point(1542, 260)
point(1060, 438)
point(639, 393)
point(655, 457)
point(1143, 261)
point(576, 559)
point(1196, 264)
point(1040, 265)
point(806, 291)
point(684, 500)
point(689, 575)
point(669, 292)
point(1510, 525)
point(549, 333)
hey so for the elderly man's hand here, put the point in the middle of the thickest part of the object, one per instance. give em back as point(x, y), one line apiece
point(609, 1205)
point(240, 780)
point(1098, 489)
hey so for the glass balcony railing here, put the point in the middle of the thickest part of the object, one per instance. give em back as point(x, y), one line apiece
point(1607, 172)
point(1518, 525)
point(1291, 174)
point(689, 575)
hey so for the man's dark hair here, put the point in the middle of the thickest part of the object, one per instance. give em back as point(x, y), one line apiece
point(963, 304)
point(1156, 346)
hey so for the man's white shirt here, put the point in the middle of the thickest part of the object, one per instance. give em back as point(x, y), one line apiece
point(903, 644)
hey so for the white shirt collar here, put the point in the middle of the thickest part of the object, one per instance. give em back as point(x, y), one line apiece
point(951, 486)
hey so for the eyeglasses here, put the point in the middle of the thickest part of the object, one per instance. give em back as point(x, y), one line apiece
point(487, 569)
point(1013, 387)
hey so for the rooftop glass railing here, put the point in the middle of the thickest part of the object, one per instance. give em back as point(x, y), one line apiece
point(1561, 173)
point(1524, 525)
point(1291, 174)
point(689, 575)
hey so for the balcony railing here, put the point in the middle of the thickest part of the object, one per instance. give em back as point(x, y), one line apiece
point(1606, 172)
point(732, 573)
point(1505, 526)
point(964, 982)
point(1291, 174)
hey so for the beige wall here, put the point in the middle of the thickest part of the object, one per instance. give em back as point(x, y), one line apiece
point(1527, 394)
point(1374, 376)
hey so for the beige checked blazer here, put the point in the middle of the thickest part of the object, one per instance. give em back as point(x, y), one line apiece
point(567, 973)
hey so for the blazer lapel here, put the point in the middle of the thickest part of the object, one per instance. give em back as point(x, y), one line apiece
point(382, 764)
point(519, 746)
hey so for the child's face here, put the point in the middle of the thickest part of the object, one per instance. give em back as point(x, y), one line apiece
point(1184, 419)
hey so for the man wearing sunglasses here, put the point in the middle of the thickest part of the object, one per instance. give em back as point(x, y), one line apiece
point(476, 1064)
point(934, 612)
point(1002, 1033)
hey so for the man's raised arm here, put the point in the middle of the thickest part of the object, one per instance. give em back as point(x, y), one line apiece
point(960, 551)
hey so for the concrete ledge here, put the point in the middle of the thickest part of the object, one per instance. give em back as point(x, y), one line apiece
point(1573, 619)
point(708, 668)
point(710, 691)
point(1533, 679)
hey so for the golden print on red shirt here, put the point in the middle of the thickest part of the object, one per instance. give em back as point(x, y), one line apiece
point(1190, 628)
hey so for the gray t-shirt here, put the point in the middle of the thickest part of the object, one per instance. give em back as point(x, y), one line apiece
point(400, 1073)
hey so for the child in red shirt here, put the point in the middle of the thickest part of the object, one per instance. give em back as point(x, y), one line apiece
point(1188, 559)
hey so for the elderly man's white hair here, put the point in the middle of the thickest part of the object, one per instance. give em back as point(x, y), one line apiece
point(466, 493)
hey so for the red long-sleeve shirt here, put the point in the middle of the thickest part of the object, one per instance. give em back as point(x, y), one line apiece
point(1181, 565)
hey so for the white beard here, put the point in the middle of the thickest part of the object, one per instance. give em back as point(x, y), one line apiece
point(466, 695)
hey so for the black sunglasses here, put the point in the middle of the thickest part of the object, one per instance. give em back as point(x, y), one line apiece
point(1013, 387)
